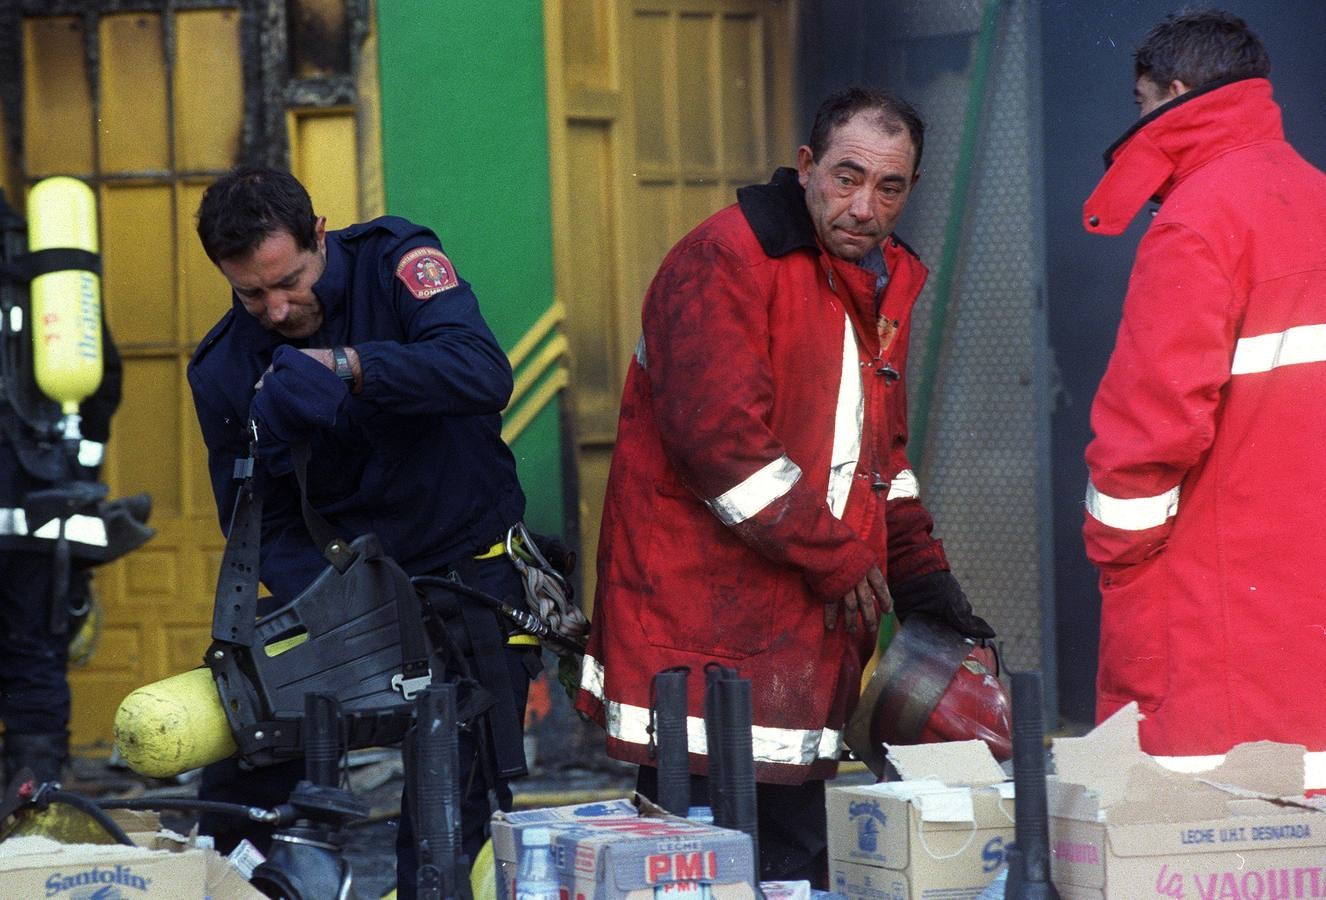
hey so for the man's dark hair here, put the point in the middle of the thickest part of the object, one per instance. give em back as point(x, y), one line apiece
point(892, 114)
point(1198, 46)
point(242, 208)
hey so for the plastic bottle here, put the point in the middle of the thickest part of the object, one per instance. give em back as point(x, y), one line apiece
point(997, 889)
point(536, 877)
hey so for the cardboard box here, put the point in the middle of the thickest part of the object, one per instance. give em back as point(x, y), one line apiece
point(225, 882)
point(1123, 826)
point(625, 849)
point(37, 867)
point(940, 832)
point(163, 864)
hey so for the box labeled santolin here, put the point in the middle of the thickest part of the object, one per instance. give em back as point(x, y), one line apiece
point(36, 867)
point(1124, 826)
point(941, 833)
point(629, 850)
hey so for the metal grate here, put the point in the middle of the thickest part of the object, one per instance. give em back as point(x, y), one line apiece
point(985, 467)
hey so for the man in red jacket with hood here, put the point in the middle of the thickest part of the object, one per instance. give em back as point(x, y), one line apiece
point(760, 508)
point(1205, 511)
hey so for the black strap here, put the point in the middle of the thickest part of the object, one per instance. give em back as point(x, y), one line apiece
point(415, 669)
point(28, 266)
point(488, 650)
point(236, 606)
point(336, 550)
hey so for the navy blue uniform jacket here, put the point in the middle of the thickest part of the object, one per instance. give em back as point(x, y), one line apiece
point(417, 457)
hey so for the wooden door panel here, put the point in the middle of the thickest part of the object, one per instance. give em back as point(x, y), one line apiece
point(658, 111)
point(132, 131)
point(693, 47)
point(591, 286)
point(208, 93)
point(146, 436)
point(57, 100)
point(138, 253)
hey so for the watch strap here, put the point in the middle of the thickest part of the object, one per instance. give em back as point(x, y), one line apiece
point(342, 368)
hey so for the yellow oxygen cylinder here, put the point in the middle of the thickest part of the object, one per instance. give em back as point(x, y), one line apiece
point(173, 725)
point(66, 304)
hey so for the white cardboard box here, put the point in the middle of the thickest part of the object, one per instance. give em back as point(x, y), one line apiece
point(624, 850)
point(1123, 826)
point(163, 864)
point(940, 832)
point(36, 867)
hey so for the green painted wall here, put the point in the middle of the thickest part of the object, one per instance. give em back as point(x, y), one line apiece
point(465, 151)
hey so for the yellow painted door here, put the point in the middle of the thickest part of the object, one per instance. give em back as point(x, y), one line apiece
point(158, 119)
point(658, 111)
point(148, 133)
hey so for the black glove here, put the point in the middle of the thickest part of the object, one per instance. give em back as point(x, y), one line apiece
point(939, 595)
point(299, 396)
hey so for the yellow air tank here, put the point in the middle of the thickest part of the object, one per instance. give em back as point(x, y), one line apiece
point(173, 725)
point(66, 304)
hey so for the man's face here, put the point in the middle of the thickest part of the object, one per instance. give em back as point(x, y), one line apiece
point(275, 282)
point(857, 189)
point(1148, 95)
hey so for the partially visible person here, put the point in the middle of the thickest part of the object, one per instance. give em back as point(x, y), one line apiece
point(36, 625)
point(761, 511)
point(365, 344)
point(1205, 512)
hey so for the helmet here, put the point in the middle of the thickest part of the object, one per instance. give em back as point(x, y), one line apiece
point(931, 684)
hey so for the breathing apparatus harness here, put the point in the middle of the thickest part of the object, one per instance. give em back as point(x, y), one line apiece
point(51, 359)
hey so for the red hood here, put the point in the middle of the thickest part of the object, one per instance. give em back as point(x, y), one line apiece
point(1162, 149)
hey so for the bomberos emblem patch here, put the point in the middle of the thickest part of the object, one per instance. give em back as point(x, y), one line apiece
point(426, 271)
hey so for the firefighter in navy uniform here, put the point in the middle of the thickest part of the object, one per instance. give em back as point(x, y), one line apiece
point(365, 345)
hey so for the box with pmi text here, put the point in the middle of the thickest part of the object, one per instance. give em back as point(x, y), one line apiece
point(1124, 826)
point(940, 832)
point(627, 850)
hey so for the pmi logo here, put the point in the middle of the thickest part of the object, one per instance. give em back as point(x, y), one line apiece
point(96, 883)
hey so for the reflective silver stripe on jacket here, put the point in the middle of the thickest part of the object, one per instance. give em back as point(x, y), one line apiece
point(640, 352)
point(1301, 344)
point(848, 421)
point(88, 530)
point(786, 746)
point(91, 453)
point(755, 493)
point(904, 486)
point(1136, 514)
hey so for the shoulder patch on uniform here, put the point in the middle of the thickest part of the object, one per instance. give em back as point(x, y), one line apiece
point(426, 271)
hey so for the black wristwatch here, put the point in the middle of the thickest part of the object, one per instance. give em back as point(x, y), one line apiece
point(343, 370)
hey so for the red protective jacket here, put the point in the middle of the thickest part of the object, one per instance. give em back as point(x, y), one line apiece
point(759, 471)
point(1206, 511)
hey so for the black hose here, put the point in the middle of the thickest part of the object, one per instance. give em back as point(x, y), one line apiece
point(525, 620)
point(238, 810)
point(83, 804)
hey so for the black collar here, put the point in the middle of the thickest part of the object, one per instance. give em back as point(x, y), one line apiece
point(1166, 107)
point(777, 213)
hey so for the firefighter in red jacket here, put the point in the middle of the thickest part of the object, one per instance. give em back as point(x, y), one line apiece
point(1205, 512)
point(760, 508)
